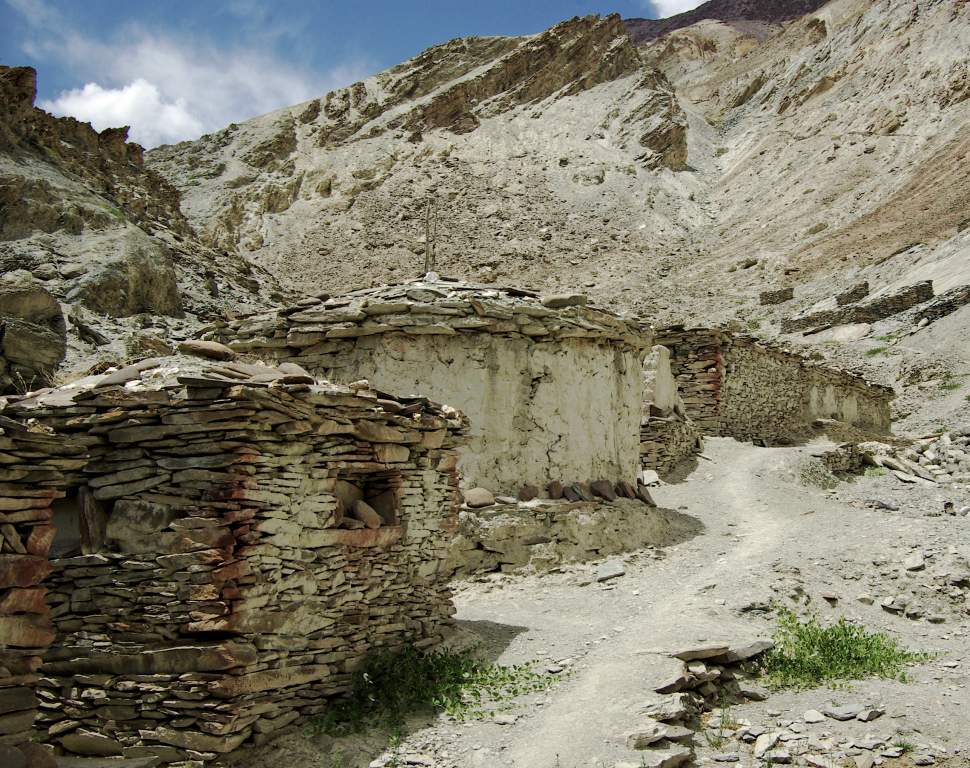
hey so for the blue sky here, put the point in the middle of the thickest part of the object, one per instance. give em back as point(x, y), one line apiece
point(176, 69)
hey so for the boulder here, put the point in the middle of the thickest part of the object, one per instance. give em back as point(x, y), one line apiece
point(479, 497)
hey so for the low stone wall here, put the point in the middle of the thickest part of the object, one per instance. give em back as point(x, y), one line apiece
point(553, 387)
point(945, 304)
point(737, 387)
point(546, 534)
point(846, 458)
point(878, 308)
point(851, 296)
point(224, 578)
point(667, 441)
point(779, 296)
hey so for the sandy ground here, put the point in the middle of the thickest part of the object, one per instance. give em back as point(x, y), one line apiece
point(751, 531)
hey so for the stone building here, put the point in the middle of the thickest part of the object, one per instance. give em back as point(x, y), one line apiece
point(736, 386)
point(227, 542)
point(554, 388)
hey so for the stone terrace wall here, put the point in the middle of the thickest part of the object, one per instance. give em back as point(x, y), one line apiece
point(221, 592)
point(878, 308)
point(553, 387)
point(734, 386)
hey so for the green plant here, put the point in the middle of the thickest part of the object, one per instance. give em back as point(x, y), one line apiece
point(401, 680)
point(952, 385)
point(888, 337)
point(874, 472)
point(807, 654)
point(906, 746)
point(875, 351)
point(725, 727)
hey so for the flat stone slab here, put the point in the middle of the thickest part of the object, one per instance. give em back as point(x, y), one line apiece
point(610, 570)
point(849, 712)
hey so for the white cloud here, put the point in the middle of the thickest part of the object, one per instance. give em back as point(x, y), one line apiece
point(139, 105)
point(170, 89)
point(667, 8)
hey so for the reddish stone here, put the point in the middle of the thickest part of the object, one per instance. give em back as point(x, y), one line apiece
point(39, 541)
point(24, 601)
point(603, 488)
point(644, 495)
point(625, 489)
point(569, 491)
point(37, 756)
point(555, 490)
point(23, 570)
point(528, 493)
point(26, 630)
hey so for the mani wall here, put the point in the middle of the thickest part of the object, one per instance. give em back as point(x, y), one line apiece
point(734, 386)
point(227, 543)
point(554, 388)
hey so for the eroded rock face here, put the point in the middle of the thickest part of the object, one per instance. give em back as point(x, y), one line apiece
point(495, 129)
point(32, 336)
point(81, 215)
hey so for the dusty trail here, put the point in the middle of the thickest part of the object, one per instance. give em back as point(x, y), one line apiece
point(757, 526)
point(660, 604)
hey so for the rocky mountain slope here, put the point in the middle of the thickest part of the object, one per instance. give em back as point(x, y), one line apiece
point(83, 221)
point(751, 15)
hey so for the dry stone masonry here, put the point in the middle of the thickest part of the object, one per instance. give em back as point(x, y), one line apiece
point(553, 386)
point(29, 462)
point(779, 296)
point(667, 434)
point(735, 386)
point(32, 336)
point(875, 309)
point(228, 542)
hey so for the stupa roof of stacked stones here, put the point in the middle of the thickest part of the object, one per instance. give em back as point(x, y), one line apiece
point(439, 306)
point(173, 375)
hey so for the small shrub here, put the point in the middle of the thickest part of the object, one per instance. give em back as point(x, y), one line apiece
point(874, 471)
point(875, 351)
point(808, 654)
point(398, 681)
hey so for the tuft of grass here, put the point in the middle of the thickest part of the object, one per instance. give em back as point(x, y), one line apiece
point(952, 385)
point(871, 471)
point(398, 681)
point(875, 351)
point(906, 746)
point(725, 727)
point(807, 654)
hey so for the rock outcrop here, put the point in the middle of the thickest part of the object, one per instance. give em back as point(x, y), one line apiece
point(32, 337)
point(81, 215)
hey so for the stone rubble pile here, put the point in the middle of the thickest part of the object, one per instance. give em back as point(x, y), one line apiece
point(245, 534)
point(735, 386)
point(32, 462)
point(941, 459)
point(878, 308)
point(711, 676)
point(544, 534)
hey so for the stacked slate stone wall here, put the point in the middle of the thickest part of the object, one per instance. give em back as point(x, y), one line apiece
point(737, 387)
point(871, 311)
point(31, 463)
point(945, 304)
point(665, 441)
point(226, 580)
point(554, 387)
point(779, 296)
